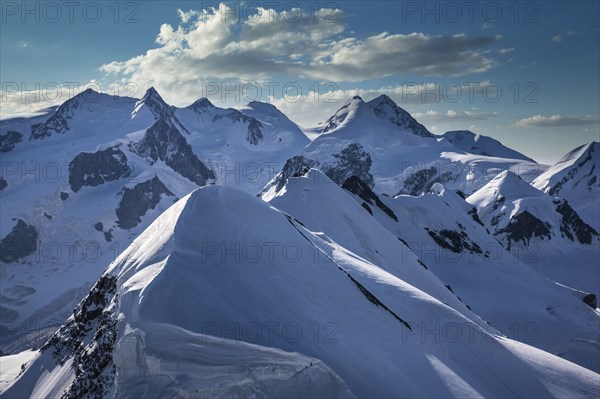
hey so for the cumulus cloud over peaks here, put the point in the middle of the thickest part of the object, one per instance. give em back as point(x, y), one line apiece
point(224, 44)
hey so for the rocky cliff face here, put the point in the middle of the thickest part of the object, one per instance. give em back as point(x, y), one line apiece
point(164, 142)
point(96, 168)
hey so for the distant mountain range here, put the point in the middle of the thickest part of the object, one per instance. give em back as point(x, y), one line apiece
point(157, 251)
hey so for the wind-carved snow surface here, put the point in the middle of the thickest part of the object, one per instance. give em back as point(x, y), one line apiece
point(80, 182)
point(442, 232)
point(172, 305)
point(366, 273)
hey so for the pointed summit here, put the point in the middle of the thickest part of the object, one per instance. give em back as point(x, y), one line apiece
point(154, 103)
point(351, 107)
point(201, 104)
point(576, 177)
point(385, 108)
point(506, 185)
point(88, 101)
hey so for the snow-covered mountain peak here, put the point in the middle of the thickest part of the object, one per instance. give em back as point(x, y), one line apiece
point(506, 186)
point(473, 143)
point(346, 112)
point(201, 105)
point(80, 109)
point(576, 177)
point(580, 153)
point(154, 102)
point(385, 108)
point(152, 105)
point(267, 112)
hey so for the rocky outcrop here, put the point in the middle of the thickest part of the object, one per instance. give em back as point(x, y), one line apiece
point(363, 191)
point(351, 161)
point(95, 168)
point(523, 227)
point(160, 109)
point(58, 122)
point(9, 140)
point(455, 241)
point(19, 243)
point(385, 108)
point(422, 180)
point(254, 135)
point(136, 201)
point(295, 166)
point(571, 225)
point(164, 142)
point(89, 338)
point(3, 184)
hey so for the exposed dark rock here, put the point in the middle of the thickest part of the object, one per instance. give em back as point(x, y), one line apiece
point(254, 135)
point(64, 196)
point(164, 142)
point(475, 216)
point(303, 172)
point(9, 140)
point(96, 168)
point(99, 226)
point(388, 109)
point(454, 241)
point(336, 119)
point(136, 201)
point(572, 226)
point(523, 227)
point(363, 191)
point(367, 207)
point(89, 338)
point(49, 217)
point(201, 105)
point(161, 110)
point(556, 188)
point(496, 219)
point(591, 301)
point(374, 300)
point(499, 202)
point(351, 161)
point(293, 166)
point(3, 184)
point(108, 235)
point(58, 122)
point(422, 180)
point(19, 243)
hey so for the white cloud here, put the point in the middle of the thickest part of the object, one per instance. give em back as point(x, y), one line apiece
point(559, 121)
point(451, 115)
point(506, 50)
point(557, 38)
point(274, 45)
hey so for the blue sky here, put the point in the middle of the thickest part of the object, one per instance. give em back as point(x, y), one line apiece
point(544, 57)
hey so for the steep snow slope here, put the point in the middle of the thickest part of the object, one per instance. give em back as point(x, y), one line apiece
point(576, 178)
point(528, 221)
point(79, 183)
point(388, 149)
point(482, 145)
point(325, 208)
point(184, 279)
point(445, 233)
